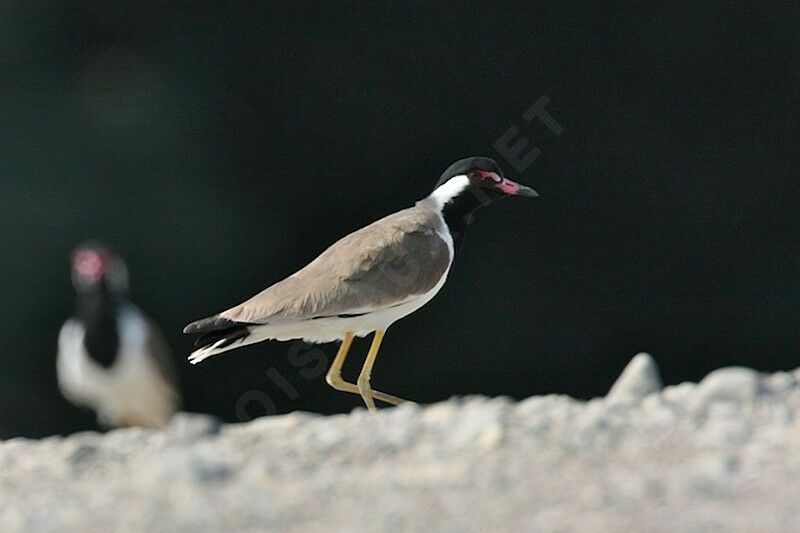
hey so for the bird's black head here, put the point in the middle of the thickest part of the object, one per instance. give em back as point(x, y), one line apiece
point(462, 167)
point(469, 184)
point(480, 177)
point(474, 182)
point(98, 268)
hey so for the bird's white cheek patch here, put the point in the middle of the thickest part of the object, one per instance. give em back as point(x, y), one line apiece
point(450, 189)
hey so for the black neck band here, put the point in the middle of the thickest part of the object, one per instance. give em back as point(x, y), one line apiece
point(97, 311)
point(457, 214)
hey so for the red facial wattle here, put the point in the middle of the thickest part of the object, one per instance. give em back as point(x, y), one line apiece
point(90, 264)
point(506, 186)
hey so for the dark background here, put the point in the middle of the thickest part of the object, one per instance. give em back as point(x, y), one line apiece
point(221, 148)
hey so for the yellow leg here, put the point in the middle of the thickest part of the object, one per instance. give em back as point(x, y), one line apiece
point(366, 371)
point(334, 377)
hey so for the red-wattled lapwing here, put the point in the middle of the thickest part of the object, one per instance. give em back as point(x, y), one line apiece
point(366, 281)
point(111, 357)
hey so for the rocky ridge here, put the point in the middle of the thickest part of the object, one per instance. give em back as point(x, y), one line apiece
point(723, 454)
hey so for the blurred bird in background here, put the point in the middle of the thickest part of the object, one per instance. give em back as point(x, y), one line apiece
point(111, 357)
point(366, 281)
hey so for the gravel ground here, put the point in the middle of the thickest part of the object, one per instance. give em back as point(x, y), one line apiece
point(722, 455)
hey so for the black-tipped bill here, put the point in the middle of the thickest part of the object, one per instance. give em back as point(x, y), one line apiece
point(523, 190)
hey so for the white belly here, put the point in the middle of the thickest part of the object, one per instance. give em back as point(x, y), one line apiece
point(131, 392)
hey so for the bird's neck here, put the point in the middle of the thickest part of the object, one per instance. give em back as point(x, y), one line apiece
point(457, 214)
point(97, 311)
point(95, 304)
point(456, 203)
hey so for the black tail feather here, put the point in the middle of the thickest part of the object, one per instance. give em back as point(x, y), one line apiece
point(212, 323)
point(215, 328)
point(229, 336)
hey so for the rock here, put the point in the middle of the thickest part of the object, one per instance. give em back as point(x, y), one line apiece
point(779, 381)
point(191, 426)
point(732, 384)
point(548, 463)
point(85, 453)
point(179, 468)
point(679, 394)
point(483, 429)
point(639, 379)
point(657, 411)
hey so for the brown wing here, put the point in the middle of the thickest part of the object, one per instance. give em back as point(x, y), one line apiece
point(385, 263)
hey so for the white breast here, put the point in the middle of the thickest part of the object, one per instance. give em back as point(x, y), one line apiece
point(132, 391)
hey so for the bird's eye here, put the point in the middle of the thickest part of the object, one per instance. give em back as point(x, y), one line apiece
point(474, 175)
